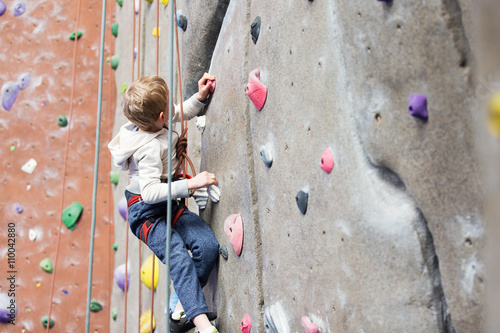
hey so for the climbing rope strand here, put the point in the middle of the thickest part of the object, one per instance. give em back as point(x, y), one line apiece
point(96, 164)
point(65, 162)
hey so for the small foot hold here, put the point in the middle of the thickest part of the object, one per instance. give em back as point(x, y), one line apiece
point(223, 252)
point(23, 81)
point(418, 106)
point(71, 215)
point(78, 35)
point(256, 90)
point(19, 8)
point(182, 22)
point(309, 325)
point(302, 198)
point(233, 227)
point(95, 306)
point(246, 324)
point(266, 155)
point(255, 29)
point(114, 177)
point(119, 276)
point(114, 29)
point(46, 265)
point(45, 321)
point(62, 121)
point(326, 162)
point(32, 235)
point(18, 208)
point(114, 313)
point(122, 208)
point(29, 166)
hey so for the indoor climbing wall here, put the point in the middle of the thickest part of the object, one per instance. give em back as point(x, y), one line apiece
point(342, 135)
point(48, 129)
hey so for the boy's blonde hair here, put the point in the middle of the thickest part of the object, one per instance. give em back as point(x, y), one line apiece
point(144, 100)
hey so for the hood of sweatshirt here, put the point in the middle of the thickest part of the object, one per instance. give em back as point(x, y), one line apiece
point(126, 143)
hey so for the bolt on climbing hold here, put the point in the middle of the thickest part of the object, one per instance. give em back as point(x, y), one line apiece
point(124, 87)
point(46, 265)
point(114, 29)
point(114, 177)
point(255, 29)
point(119, 2)
point(164, 2)
point(301, 198)
point(115, 60)
point(418, 106)
point(182, 21)
point(201, 122)
point(122, 208)
point(45, 321)
point(156, 32)
point(146, 268)
point(6, 304)
point(223, 252)
point(212, 87)
point(119, 276)
point(62, 121)
point(494, 115)
point(19, 8)
point(145, 322)
point(23, 80)
point(136, 6)
point(18, 208)
point(114, 313)
point(12, 147)
point(78, 35)
point(266, 155)
point(95, 306)
point(246, 324)
point(3, 7)
point(233, 227)
point(326, 162)
point(29, 166)
point(256, 90)
point(135, 52)
point(9, 94)
point(32, 235)
point(309, 326)
point(213, 193)
point(115, 246)
point(71, 215)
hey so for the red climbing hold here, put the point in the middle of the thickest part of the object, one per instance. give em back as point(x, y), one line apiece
point(246, 324)
point(256, 90)
point(309, 326)
point(233, 227)
point(326, 162)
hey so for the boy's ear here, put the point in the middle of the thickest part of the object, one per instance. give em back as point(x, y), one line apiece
point(161, 116)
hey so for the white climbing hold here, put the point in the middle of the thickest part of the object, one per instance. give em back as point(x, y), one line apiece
point(32, 235)
point(29, 166)
point(214, 193)
point(201, 197)
point(200, 123)
point(137, 6)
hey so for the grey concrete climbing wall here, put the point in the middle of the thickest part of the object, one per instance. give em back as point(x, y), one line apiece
point(393, 237)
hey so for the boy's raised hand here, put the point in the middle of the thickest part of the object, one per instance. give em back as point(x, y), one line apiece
point(204, 85)
point(200, 180)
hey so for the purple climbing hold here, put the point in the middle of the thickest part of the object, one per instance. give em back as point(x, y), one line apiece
point(120, 277)
point(9, 94)
point(18, 208)
point(23, 80)
point(3, 7)
point(122, 208)
point(19, 8)
point(418, 106)
point(8, 308)
point(256, 90)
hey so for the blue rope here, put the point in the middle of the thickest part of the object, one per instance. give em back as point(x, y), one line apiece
point(96, 166)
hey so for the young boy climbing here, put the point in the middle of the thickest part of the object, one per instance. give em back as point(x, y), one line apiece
point(141, 147)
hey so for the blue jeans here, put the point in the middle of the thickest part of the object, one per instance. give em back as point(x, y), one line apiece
point(189, 274)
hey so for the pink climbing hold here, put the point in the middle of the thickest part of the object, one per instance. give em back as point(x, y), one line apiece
point(122, 208)
point(309, 325)
point(256, 90)
point(233, 227)
point(246, 324)
point(212, 87)
point(326, 162)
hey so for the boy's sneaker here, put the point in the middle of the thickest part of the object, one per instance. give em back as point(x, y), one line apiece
point(183, 325)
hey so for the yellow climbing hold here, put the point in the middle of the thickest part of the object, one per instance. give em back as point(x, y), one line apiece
point(154, 32)
point(149, 0)
point(164, 2)
point(145, 322)
point(38, 284)
point(146, 270)
point(494, 115)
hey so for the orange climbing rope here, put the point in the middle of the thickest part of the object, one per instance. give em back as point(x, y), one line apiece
point(65, 162)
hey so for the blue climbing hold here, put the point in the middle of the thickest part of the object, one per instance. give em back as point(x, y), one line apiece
point(418, 106)
point(19, 8)
point(9, 94)
point(23, 80)
point(182, 21)
point(302, 198)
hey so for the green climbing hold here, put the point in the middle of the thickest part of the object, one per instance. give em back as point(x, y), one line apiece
point(95, 306)
point(12, 147)
point(72, 36)
point(45, 320)
point(71, 214)
point(119, 2)
point(115, 246)
point(46, 265)
point(62, 120)
point(114, 177)
point(115, 60)
point(114, 313)
point(114, 29)
point(124, 87)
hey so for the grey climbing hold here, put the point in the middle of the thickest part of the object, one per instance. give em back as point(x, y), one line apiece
point(45, 321)
point(18, 208)
point(62, 120)
point(255, 29)
point(274, 319)
point(72, 35)
point(182, 21)
point(114, 177)
point(71, 215)
point(19, 8)
point(267, 158)
point(223, 252)
point(418, 106)
point(114, 29)
point(10, 91)
point(46, 265)
point(3, 7)
point(114, 313)
point(23, 80)
point(301, 198)
point(95, 306)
